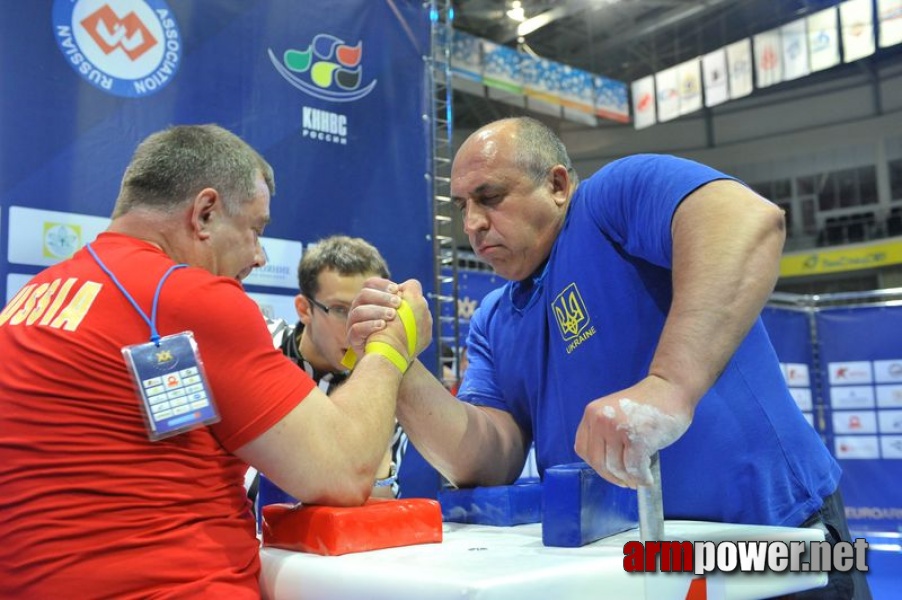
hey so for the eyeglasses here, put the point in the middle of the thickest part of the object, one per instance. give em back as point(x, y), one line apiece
point(337, 311)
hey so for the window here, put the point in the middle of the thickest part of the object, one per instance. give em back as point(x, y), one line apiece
point(808, 186)
point(826, 192)
point(847, 188)
point(895, 179)
point(809, 220)
point(775, 191)
point(867, 185)
point(782, 190)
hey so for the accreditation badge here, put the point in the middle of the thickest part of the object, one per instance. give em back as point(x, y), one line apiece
point(171, 385)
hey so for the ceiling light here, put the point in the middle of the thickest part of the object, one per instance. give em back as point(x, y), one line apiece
point(516, 12)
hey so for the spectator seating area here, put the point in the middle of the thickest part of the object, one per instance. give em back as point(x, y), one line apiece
point(859, 227)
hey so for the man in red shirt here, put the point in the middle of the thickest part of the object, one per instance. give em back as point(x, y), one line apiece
point(93, 506)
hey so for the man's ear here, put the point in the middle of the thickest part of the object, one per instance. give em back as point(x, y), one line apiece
point(302, 306)
point(204, 210)
point(559, 179)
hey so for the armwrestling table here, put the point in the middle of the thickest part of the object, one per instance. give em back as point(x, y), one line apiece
point(511, 563)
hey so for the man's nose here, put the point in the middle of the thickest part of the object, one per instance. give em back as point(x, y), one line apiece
point(259, 255)
point(474, 219)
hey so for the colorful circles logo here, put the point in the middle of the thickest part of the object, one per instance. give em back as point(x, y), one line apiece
point(129, 48)
point(328, 69)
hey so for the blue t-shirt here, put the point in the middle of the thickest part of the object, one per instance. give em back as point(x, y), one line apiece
point(587, 325)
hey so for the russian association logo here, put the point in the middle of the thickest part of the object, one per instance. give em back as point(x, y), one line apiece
point(128, 48)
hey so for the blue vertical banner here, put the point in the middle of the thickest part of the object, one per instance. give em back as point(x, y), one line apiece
point(790, 333)
point(332, 94)
point(861, 356)
point(472, 286)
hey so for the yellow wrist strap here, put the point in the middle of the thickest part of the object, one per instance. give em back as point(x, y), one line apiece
point(388, 352)
point(405, 313)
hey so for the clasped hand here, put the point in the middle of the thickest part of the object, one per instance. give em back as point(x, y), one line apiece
point(620, 433)
point(374, 316)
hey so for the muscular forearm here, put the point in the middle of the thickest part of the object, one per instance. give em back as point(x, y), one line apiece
point(727, 243)
point(327, 449)
point(468, 445)
point(368, 401)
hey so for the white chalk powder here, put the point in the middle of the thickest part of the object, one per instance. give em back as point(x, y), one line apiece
point(648, 430)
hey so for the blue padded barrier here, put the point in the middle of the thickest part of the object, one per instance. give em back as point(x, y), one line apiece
point(579, 507)
point(503, 505)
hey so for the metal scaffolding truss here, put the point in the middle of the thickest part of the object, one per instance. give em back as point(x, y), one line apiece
point(445, 293)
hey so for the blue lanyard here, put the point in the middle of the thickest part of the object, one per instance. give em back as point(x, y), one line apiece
point(152, 321)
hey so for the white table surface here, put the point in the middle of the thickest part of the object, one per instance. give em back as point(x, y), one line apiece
point(511, 563)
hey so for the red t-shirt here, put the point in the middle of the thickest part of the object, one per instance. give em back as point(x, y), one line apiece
point(89, 507)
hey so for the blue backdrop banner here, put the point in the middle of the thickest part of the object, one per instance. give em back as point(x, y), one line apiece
point(790, 333)
point(852, 395)
point(861, 358)
point(472, 286)
point(332, 94)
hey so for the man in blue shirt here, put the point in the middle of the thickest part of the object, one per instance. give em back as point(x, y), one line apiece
point(629, 325)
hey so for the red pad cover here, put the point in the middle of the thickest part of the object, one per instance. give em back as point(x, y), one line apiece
point(333, 531)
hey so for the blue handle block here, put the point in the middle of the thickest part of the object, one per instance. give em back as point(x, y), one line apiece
point(502, 505)
point(579, 507)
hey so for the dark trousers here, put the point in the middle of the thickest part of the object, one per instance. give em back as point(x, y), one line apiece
point(851, 585)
